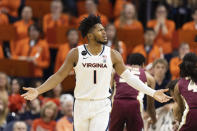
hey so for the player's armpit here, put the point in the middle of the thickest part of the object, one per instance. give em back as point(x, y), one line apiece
point(179, 105)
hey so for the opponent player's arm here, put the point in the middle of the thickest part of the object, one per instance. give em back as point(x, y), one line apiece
point(150, 101)
point(179, 105)
point(56, 78)
point(133, 80)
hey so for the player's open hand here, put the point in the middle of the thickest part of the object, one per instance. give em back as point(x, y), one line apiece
point(31, 93)
point(160, 96)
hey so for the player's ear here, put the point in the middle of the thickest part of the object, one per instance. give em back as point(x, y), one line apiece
point(90, 36)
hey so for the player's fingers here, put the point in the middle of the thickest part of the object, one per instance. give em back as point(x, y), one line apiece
point(25, 94)
point(25, 88)
point(164, 90)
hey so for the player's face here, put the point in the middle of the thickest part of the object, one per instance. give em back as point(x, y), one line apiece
point(99, 34)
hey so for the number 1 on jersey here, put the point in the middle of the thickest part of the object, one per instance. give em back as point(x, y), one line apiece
point(94, 76)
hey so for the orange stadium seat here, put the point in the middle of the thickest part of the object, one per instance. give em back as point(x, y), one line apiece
point(188, 36)
point(16, 68)
point(69, 83)
point(130, 37)
point(105, 8)
point(81, 7)
point(7, 32)
point(39, 7)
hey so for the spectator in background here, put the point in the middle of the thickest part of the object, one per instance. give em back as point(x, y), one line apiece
point(10, 7)
point(149, 50)
point(192, 25)
point(91, 8)
point(66, 122)
point(32, 112)
point(15, 100)
point(55, 19)
point(113, 41)
point(128, 19)
point(19, 126)
point(35, 50)
point(176, 61)
point(55, 97)
point(160, 67)
point(46, 122)
point(4, 85)
point(73, 41)
point(3, 111)
point(3, 20)
point(164, 29)
point(22, 27)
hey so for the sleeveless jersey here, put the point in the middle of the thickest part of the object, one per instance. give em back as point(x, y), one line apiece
point(188, 91)
point(93, 74)
point(123, 90)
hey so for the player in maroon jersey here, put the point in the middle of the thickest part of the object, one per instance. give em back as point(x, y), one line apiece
point(127, 106)
point(185, 94)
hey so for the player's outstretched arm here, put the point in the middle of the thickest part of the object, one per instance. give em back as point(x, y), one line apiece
point(56, 78)
point(134, 81)
point(179, 105)
point(150, 101)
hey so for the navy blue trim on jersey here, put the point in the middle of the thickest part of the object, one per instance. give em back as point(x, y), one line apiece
point(102, 50)
point(87, 50)
point(108, 123)
point(73, 114)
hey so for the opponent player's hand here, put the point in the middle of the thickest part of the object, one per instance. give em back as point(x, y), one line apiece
point(31, 93)
point(160, 96)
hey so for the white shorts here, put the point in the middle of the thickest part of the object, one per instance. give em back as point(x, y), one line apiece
point(92, 115)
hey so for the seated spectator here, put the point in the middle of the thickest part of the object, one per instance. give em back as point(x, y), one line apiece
point(3, 111)
point(46, 122)
point(73, 41)
point(113, 41)
point(35, 50)
point(55, 19)
point(118, 7)
point(149, 50)
point(160, 67)
point(22, 27)
point(164, 29)
point(55, 97)
point(3, 20)
point(66, 122)
point(4, 85)
point(128, 19)
point(91, 8)
point(16, 101)
point(192, 25)
point(19, 126)
point(10, 7)
point(32, 112)
point(174, 62)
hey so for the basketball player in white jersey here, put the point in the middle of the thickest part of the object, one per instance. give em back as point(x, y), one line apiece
point(93, 64)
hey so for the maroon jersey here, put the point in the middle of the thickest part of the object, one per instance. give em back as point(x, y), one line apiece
point(123, 90)
point(188, 90)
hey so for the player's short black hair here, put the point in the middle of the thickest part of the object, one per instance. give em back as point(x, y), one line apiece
point(188, 68)
point(87, 23)
point(171, 85)
point(136, 59)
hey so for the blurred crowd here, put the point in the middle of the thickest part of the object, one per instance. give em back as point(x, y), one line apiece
point(157, 19)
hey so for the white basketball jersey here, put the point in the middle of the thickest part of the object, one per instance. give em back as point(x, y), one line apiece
point(93, 74)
